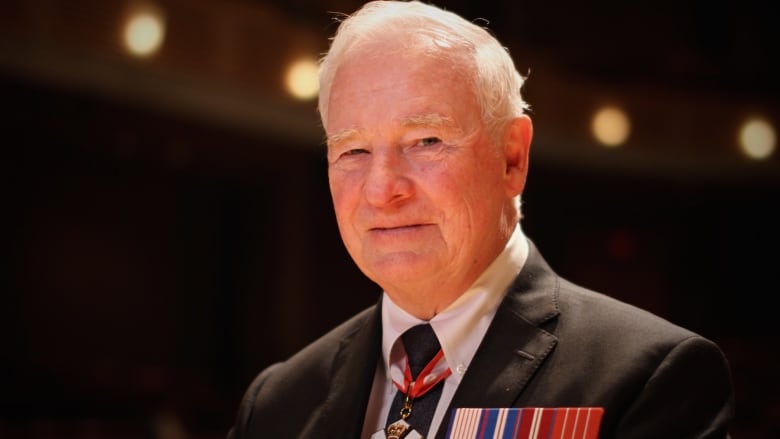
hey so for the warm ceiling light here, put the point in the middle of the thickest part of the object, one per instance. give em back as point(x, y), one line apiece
point(611, 126)
point(144, 32)
point(302, 79)
point(757, 139)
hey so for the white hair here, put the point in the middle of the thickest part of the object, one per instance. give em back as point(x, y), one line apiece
point(413, 26)
point(487, 64)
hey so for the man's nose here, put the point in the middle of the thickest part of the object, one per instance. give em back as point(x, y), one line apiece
point(388, 180)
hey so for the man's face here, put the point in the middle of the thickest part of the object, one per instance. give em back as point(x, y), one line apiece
point(418, 191)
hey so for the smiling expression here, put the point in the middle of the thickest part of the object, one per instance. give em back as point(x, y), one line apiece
point(419, 192)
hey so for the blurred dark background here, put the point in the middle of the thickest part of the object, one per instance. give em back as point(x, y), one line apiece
point(167, 227)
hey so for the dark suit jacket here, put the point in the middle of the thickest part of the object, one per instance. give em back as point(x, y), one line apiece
point(551, 344)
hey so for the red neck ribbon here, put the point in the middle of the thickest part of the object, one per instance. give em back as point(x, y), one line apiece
point(425, 380)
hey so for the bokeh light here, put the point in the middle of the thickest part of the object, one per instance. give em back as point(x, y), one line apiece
point(144, 32)
point(611, 126)
point(302, 79)
point(757, 139)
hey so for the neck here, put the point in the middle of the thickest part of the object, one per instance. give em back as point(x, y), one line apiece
point(422, 305)
point(425, 299)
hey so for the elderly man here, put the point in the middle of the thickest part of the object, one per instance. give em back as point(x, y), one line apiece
point(427, 145)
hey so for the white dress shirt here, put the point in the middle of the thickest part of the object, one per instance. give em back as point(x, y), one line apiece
point(460, 329)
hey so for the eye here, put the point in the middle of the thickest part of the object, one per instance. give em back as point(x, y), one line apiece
point(429, 141)
point(355, 151)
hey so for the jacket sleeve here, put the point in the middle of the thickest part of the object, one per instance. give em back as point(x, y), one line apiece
point(689, 395)
point(246, 407)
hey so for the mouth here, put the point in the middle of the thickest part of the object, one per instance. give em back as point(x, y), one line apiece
point(398, 228)
point(400, 233)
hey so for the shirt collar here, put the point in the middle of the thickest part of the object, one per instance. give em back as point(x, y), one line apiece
point(461, 326)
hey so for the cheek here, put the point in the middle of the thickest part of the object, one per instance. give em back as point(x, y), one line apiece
point(462, 185)
point(472, 196)
point(343, 194)
point(343, 210)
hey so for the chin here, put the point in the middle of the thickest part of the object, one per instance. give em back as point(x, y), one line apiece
point(401, 269)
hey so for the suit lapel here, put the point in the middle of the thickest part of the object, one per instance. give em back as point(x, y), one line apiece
point(514, 346)
point(353, 369)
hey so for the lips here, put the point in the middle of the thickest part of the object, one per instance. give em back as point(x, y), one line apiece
point(400, 227)
point(400, 233)
point(405, 226)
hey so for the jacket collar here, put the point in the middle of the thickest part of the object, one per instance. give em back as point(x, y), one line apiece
point(353, 368)
point(515, 344)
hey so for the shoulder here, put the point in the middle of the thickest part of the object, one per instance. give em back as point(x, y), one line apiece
point(545, 299)
point(616, 338)
point(633, 363)
point(313, 362)
point(595, 327)
point(287, 394)
point(605, 317)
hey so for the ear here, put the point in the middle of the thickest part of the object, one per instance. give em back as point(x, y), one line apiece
point(517, 144)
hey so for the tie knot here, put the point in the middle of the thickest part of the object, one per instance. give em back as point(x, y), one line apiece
point(421, 346)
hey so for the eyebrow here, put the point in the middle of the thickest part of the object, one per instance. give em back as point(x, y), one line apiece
point(429, 120)
point(341, 136)
point(420, 120)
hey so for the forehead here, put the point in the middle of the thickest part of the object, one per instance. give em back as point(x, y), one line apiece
point(386, 83)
